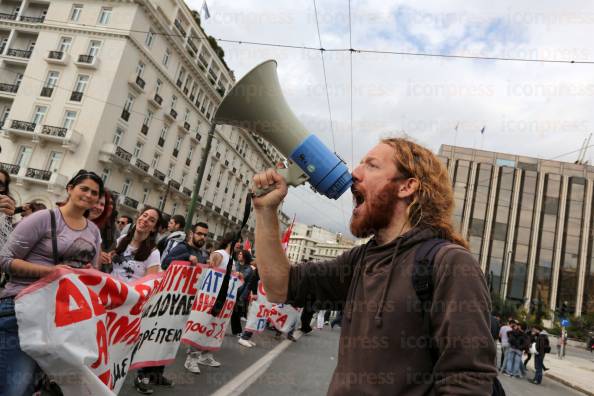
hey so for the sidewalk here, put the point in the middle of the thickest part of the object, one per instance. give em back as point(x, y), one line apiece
point(575, 372)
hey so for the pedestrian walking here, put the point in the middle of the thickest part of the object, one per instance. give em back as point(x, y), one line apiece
point(543, 347)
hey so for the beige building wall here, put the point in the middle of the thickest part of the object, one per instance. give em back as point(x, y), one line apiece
point(147, 149)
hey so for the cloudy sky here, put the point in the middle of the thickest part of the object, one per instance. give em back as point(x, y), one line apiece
point(530, 108)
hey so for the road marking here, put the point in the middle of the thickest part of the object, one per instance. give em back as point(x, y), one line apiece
point(250, 375)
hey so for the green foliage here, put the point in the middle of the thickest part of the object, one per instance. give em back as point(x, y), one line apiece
point(503, 308)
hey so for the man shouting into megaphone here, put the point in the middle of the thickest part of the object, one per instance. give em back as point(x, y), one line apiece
point(416, 305)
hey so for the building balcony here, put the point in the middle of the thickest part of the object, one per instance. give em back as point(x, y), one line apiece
point(8, 17)
point(54, 131)
point(23, 126)
point(137, 83)
point(47, 92)
point(125, 115)
point(187, 126)
point(76, 96)
point(187, 192)
point(144, 129)
point(221, 91)
point(180, 28)
point(192, 45)
point(159, 175)
point(8, 90)
point(161, 142)
point(32, 19)
point(156, 100)
point(179, 83)
point(175, 152)
point(142, 166)
point(129, 202)
point(195, 136)
point(68, 138)
point(171, 115)
point(17, 56)
point(111, 153)
point(57, 58)
point(12, 169)
point(174, 184)
point(188, 161)
point(87, 61)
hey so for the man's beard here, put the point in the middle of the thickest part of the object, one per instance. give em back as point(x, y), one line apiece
point(377, 214)
point(199, 243)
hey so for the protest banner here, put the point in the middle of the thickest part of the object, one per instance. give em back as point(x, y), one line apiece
point(204, 331)
point(86, 329)
point(282, 316)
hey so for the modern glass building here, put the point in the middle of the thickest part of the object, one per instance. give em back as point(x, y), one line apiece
point(529, 222)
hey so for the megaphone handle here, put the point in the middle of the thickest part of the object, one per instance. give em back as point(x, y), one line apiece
point(293, 175)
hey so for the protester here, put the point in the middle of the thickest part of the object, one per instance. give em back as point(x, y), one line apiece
point(543, 347)
point(517, 344)
point(123, 224)
point(503, 339)
point(249, 293)
point(403, 197)
point(29, 208)
point(7, 209)
point(135, 256)
point(244, 267)
point(102, 215)
point(175, 228)
point(29, 255)
point(337, 320)
point(163, 230)
point(218, 259)
point(191, 250)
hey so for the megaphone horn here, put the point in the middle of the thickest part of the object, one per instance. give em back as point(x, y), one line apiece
point(256, 103)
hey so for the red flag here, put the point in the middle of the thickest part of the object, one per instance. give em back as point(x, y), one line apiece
point(247, 245)
point(286, 237)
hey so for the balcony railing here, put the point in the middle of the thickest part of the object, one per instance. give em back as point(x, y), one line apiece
point(158, 99)
point(76, 96)
point(47, 92)
point(175, 152)
point(140, 82)
point(55, 55)
point(179, 83)
point(25, 18)
point(125, 115)
point(186, 90)
point(123, 154)
point(131, 202)
point(187, 126)
point(192, 97)
point(174, 184)
point(221, 91)
point(187, 191)
point(12, 88)
point(217, 209)
point(86, 58)
point(141, 165)
point(192, 45)
point(38, 174)
point(161, 142)
point(54, 131)
point(188, 161)
point(12, 169)
point(159, 175)
point(10, 17)
point(179, 27)
point(173, 113)
point(19, 53)
point(144, 129)
point(208, 204)
point(23, 125)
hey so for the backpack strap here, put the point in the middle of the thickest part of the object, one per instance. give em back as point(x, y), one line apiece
point(422, 281)
point(54, 237)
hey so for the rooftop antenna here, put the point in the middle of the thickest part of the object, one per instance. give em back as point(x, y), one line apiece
point(583, 151)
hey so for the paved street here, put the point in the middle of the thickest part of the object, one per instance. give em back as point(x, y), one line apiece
point(303, 368)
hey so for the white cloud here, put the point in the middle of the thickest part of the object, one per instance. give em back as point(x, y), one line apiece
point(528, 108)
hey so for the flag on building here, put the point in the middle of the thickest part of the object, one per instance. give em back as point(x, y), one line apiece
point(204, 13)
point(483, 131)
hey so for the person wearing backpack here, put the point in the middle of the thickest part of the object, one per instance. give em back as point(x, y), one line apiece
point(543, 346)
point(417, 307)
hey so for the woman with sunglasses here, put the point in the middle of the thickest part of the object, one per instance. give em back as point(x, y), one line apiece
point(29, 255)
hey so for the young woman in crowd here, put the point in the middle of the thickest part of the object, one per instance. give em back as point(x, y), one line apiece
point(7, 208)
point(244, 267)
point(135, 256)
point(102, 214)
point(29, 255)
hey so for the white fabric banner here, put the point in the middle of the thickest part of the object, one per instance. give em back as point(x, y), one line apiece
point(86, 329)
point(283, 317)
point(203, 330)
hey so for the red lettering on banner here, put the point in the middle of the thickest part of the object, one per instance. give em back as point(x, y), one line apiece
point(64, 315)
point(144, 291)
point(111, 296)
point(261, 290)
point(176, 270)
point(122, 330)
point(101, 345)
point(203, 303)
point(106, 379)
point(182, 276)
point(192, 290)
point(282, 320)
point(90, 280)
point(98, 307)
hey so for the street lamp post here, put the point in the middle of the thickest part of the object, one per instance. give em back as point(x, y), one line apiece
point(199, 177)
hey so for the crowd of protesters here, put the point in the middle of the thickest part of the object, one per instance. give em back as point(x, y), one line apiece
point(85, 231)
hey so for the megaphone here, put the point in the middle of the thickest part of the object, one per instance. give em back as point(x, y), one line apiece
point(256, 103)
